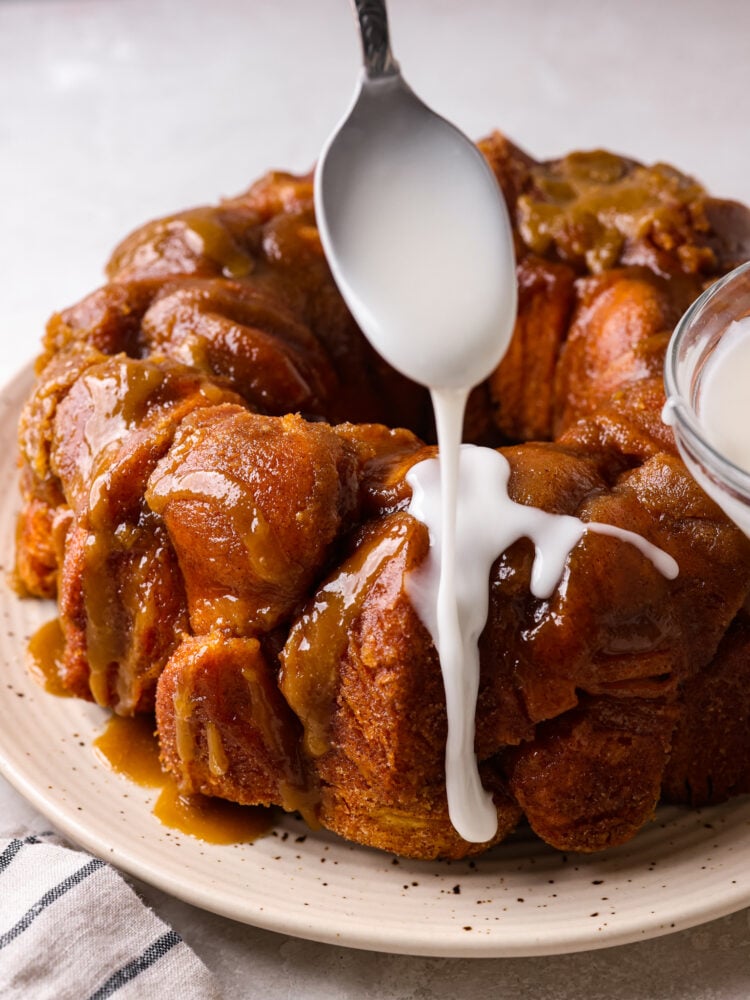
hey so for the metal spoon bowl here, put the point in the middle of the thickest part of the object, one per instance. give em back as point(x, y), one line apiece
point(406, 204)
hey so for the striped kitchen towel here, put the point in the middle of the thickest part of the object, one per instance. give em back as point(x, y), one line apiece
point(72, 929)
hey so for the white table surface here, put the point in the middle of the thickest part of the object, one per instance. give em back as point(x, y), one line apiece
point(113, 111)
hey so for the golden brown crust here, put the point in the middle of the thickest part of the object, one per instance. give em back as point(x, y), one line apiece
point(252, 505)
point(39, 546)
point(591, 778)
point(709, 757)
point(224, 729)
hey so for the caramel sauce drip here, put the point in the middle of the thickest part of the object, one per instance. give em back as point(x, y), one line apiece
point(218, 764)
point(305, 801)
point(206, 235)
point(120, 405)
point(45, 656)
point(129, 747)
point(105, 643)
point(295, 793)
point(317, 643)
point(272, 727)
point(117, 615)
point(198, 239)
point(183, 709)
point(265, 556)
point(213, 820)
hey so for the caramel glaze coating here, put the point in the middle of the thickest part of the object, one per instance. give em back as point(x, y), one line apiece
point(224, 546)
point(252, 505)
point(231, 732)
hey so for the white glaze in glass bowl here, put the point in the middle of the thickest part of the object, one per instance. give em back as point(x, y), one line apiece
point(695, 338)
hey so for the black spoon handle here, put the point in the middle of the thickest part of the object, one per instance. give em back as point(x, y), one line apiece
point(376, 46)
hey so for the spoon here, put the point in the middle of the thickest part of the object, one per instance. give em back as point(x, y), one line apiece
point(417, 236)
point(409, 210)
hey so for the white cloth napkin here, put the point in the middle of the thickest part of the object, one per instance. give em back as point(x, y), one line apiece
point(72, 929)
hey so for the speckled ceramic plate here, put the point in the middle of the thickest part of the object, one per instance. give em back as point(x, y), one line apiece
point(520, 899)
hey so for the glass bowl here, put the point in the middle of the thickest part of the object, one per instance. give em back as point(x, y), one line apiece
point(695, 338)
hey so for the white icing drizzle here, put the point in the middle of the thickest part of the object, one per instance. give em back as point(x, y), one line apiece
point(487, 522)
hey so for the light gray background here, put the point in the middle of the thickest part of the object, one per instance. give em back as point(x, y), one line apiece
point(113, 111)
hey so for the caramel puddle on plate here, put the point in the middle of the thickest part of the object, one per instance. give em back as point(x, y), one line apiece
point(130, 748)
point(44, 655)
